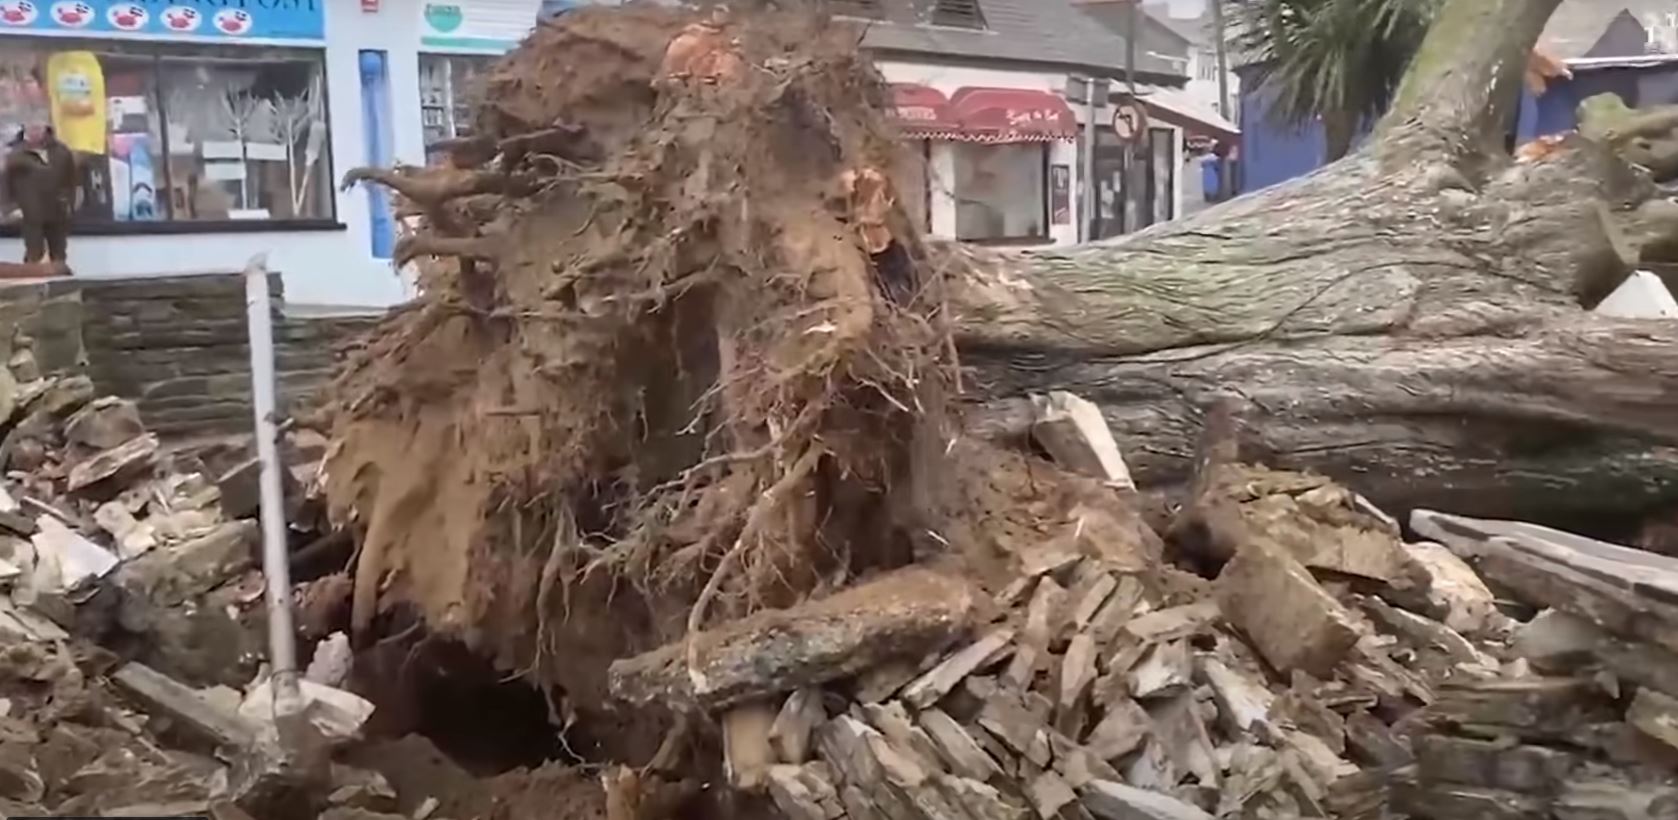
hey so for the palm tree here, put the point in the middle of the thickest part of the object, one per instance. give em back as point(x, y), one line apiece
point(1338, 60)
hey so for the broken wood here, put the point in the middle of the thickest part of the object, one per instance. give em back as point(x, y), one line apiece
point(903, 614)
point(1072, 430)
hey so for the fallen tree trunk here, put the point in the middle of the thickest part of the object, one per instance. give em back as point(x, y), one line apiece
point(1408, 320)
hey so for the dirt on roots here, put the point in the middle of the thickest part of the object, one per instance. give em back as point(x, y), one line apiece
point(679, 354)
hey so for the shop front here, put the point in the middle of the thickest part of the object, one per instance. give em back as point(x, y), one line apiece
point(995, 162)
point(206, 132)
point(182, 118)
point(458, 41)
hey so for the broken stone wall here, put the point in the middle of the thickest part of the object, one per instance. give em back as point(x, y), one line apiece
point(176, 345)
point(41, 327)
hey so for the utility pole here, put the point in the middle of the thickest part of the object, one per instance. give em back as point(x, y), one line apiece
point(1220, 40)
point(1133, 27)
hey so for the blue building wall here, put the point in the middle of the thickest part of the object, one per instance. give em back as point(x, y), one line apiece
point(1555, 111)
point(1273, 152)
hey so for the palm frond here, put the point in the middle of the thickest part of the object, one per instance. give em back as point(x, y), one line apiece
point(1330, 58)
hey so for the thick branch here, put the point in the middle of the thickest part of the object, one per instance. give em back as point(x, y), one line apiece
point(481, 248)
point(1458, 97)
point(434, 186)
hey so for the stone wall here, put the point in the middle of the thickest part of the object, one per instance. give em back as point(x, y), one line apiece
point(41, 327)
point(176, 345)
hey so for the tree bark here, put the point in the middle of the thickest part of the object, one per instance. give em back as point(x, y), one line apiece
point(1408, 319)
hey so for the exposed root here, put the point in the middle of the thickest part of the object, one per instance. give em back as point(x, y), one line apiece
point(481, 248)
point(761, 512)
point(429, 187)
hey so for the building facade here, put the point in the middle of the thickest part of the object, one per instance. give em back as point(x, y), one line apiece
point(211, 131)
point(1015, 108)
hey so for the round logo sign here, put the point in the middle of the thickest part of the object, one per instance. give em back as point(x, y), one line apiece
point(444, 17)
point(236, 22)
point(127, 16)
point(72, 13)
point(18, 12)
point(182, 19)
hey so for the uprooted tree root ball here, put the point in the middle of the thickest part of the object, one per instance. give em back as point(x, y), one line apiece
point(675, 348)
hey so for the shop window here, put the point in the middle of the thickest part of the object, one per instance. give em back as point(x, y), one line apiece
point(1000, 191)
point(168, 133)
point(449, 83)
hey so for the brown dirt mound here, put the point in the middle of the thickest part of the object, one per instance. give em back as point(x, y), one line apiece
point(679, 353)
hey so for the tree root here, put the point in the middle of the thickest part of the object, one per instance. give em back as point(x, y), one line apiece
point(430, 187)
point(760, 515)
point(480, 248)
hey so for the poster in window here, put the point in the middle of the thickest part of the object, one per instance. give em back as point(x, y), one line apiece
point(1060, 194)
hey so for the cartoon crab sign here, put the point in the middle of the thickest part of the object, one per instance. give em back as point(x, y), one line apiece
point(127, 16)
point(72, 13)
point(236, 22)
point(182, 19)
point(18, 12)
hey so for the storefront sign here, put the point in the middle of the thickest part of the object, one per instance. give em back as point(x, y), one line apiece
point(476, 25)
point(227, 20)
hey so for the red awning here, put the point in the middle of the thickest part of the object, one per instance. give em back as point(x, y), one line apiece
point(1012, 115)
point(922, 111)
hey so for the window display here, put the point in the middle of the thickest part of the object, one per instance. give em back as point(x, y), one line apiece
point(448, 85)
point(1000, 191)
point(177, 133)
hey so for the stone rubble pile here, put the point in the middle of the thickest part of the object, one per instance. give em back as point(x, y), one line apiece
point(131, 620)
point(1328, 669)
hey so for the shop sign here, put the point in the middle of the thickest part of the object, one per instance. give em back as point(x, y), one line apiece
point(487, 26)
point(226, 20)
point(476, 25)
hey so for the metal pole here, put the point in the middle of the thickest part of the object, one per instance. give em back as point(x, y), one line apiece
point(1091, 197)
point(282, 640)
point(1220, 46)
point(1132, 25)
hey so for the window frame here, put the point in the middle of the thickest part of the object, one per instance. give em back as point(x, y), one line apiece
point(1044, 153)
point(432, 152)
point(156, 53)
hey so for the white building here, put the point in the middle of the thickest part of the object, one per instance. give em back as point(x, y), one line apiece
point(215, 130)
point(963, 68)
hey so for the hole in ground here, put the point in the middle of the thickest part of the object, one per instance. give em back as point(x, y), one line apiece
point(484, 721)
